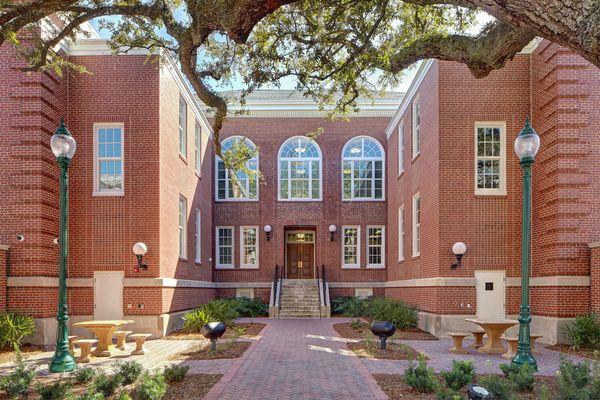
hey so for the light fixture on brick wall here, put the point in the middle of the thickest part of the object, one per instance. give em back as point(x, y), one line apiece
point(140, 249)
point(332, 229)
point(267, 228)
point(459, 249)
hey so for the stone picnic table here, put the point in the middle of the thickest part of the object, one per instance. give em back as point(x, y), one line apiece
point(104, 331)
point(494, 329)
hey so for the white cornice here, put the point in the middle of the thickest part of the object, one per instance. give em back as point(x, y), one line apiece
point(410, 93)
point(296, 113)
point(98, 47)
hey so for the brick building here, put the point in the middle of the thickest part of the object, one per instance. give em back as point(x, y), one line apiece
point(377, 200)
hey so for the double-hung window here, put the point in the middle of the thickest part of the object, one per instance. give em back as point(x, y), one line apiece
point(401, 233)
point(375, 246)
point(416, 231)
point(416, 126)
point(300, 170)
point(224, 246)
point(197, 147)
point(401, 147)
point(362, 169)
point(245, 185)
point(182, 227)
point(490, 158)
point(351, 247)
point(249, 246)
point(108, 166)
point(198, 237)
point(182, 126)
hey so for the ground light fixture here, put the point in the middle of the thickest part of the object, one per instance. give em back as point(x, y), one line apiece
point(140, 249)
point(63, 146)
point(267, 229)
point(332, 229)
point(458, 249)
point(527, 145)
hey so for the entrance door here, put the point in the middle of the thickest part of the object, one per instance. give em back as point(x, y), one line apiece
point(108, 295)
point(300, 255)
point(491, 295)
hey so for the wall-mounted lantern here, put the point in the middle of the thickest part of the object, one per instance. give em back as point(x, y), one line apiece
point(267, 228)
point(459, 249)
point(140, 249)
point(332, 229)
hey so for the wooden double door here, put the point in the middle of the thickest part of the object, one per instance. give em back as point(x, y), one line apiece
point(300, 255)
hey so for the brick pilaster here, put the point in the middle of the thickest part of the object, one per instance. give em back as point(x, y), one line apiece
point(3, 268)
point(595, 277)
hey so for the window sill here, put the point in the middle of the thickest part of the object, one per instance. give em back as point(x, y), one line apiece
point(116, 193)
point(183, 158)
point(182, 258)
point(224, 267)
point(248, 266)
point(350, 266)
point(500, 193)
point(375, 266)
point(366, 200)
point(415, 157)
point(236, 200)
point(299, 200)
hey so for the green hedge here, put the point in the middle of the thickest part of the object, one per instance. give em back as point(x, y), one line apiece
point(401, 314)
point(223, 310)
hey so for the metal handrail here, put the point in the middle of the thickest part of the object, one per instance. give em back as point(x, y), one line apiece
point(279, 291)
point(324, 279)
point(319, 293)
point(275, 283)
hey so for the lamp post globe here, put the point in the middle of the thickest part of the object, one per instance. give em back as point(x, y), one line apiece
point(63, 146)
point(140, 249)
point(527, 145)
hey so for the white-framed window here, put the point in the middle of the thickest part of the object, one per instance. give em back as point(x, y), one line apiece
point(401, 147)
point(182, 227)
point(300, 170)
point(362, 169)
point(416, 231)
point(416, 126)
point(490, 158)
point(244, 187)
point(198, 237)
point(182, 126)
point(108, 159)
point(350, 246)
point(249, 246)
point(197, 147)
point(224, 249)
point(375, 246)
point(401, 233)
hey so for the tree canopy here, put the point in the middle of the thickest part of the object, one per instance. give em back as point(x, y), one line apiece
point(337, 50)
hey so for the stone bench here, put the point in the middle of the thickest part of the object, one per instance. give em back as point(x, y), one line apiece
point(121, 338)
point(71, 339)
point(140, 339)
point(478, 336)
point(533, 338)
point(86, 348)
point(513, 344)
point(458, 338)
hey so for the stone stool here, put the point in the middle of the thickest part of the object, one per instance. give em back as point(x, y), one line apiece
point(458, 338)
point(513, 344)
point(86, 348)
point(533, 338)
point(121, 337)
point(140, 339)
point(71, 346)
point(478, 336)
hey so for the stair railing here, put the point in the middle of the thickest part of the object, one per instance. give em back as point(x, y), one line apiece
point(275, 286)
point(279, 292)
point(319, 294)
point(324, 282)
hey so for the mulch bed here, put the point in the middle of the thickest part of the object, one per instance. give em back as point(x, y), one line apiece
point(346, 330)
point(8, 355)
point(192, 387)
point(565, 348)
point(393, 385)
point(393, 351)
point(249, 331)
point(224, 350)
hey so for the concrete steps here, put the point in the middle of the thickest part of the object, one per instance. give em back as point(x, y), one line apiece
point(300, 299)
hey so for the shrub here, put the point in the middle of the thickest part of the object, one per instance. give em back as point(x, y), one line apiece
point(460, 375)
point(252, 308)
point(90, 395)
point(151, 387)
point(107, 384)
point(221, 310)
point(521, 376)
point(402, 315)
point(420, 377)
point(13, 328)
point(594, 390)
point(356, 324)
point(59, 390)
point(573, 380)
point(348, 306)
point(129, 370)
point(501, 389)
point(17, 382)
point(583, 332)
point(448, 394)
point(123, 396)
point(175, 373)
point(195, 320)
point(83, 375)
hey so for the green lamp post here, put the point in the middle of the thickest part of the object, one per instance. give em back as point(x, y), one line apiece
point(527, 145)
point(63, 146)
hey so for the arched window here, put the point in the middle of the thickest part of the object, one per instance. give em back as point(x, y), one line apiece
point(300, 169)
point(246, 187)
point(362, 169)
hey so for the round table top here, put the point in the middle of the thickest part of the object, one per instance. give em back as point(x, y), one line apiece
point(102, 323)
point(493, 321)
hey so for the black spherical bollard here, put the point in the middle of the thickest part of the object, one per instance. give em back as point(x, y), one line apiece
point(478, 393)
point(384, 330)
point(213, 331)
